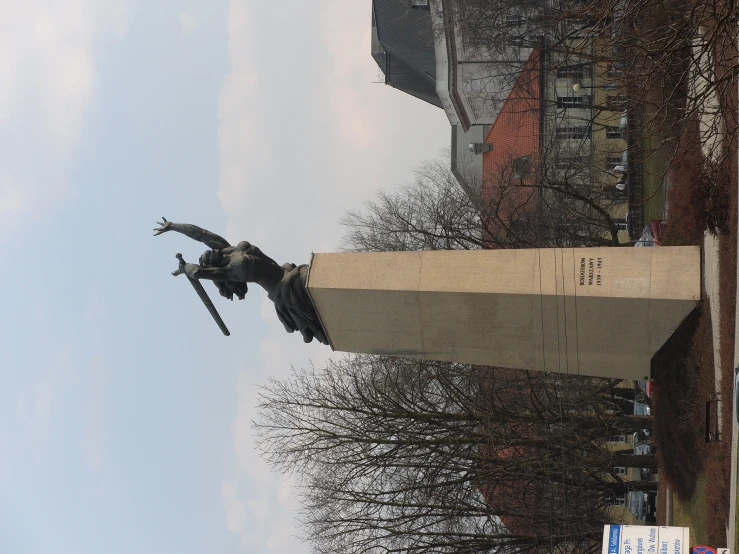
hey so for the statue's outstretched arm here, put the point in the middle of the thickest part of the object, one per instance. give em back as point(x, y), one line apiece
point(194, 232)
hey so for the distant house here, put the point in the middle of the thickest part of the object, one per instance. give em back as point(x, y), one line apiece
point(538, 107)
point(422, 51)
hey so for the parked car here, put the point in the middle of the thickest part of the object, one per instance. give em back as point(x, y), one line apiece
point(641, 407)
point(641, 437)
point(643, 505)
point(642, 447)
point(646, 386)
point(637, 501)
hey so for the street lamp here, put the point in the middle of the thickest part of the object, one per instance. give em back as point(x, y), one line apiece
point(577, 87)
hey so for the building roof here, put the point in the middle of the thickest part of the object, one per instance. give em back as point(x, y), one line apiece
point(515, 135)
point(403, 47)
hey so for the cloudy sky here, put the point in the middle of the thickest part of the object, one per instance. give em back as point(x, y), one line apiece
point(124, 413)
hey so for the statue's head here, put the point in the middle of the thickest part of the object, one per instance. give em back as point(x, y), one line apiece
point(227, 289)
point(211, 258)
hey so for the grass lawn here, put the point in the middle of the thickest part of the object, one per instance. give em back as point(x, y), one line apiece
point(653, 170)
point(699, 473)
point(692, 513)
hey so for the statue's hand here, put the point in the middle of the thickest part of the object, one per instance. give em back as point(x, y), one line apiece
point(164, 226)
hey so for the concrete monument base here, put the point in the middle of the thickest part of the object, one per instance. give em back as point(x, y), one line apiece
point(587, 311)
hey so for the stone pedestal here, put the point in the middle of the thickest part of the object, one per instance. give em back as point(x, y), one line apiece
point(588, 311)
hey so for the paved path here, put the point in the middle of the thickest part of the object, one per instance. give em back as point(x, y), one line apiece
point(711, 291)
point(731, 527)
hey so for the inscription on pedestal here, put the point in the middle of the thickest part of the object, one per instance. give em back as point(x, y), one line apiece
point(591, 271)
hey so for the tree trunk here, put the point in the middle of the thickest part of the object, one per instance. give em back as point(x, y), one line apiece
point(626, 486)
point(635, 460)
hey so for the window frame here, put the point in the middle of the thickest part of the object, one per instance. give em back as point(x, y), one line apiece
point(521, 172)
point(575, 71)
point(569, 102)
point(573, 132)
point(612, 160)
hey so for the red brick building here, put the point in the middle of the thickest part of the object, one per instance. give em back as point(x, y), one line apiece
point(509, 169)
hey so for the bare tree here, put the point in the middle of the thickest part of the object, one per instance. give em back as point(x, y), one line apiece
point(437, 213)
point(434, 213)
point(401, 455)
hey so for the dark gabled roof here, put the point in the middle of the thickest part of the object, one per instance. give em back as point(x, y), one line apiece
point(403, 47)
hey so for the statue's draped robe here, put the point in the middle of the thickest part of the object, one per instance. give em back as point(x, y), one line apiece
point(293, 304)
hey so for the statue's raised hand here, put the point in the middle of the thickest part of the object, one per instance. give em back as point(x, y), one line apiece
point(164, 226)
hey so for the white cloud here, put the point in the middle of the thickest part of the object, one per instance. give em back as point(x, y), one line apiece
point(36, 406)
point(239, 137)
point(235, 510)
point(188, 21)
point(348, 83)
point(14, 198)
point(303, 135)
point(254, 493)
point(97, 378)
point(259, 507)
point(298, 146)
point(47, 81)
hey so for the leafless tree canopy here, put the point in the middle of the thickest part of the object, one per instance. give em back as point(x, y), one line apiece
point(434, 213)
point(401, 455)
point(437, 213)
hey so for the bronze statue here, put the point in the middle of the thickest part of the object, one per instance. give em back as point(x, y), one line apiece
point(232, 267)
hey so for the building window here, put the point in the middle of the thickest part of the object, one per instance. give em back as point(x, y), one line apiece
point(521, 167)
point(612, 160)
point(619, 471)
point(573, 160)
point(516, 41)
point(617, 438)
point(577, 71)
point(513, 20)
point(419, 3)
point(573, 132)
point(579, 28)
point(614, 132)
point(621, 225)
point(573, 101)
point(615, 102)
point(616, 500)
point(566, 162)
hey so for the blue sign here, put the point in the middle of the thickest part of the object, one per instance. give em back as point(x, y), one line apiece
point(614, 539)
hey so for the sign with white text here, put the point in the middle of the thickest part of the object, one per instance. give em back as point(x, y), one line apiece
point(645, 539)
